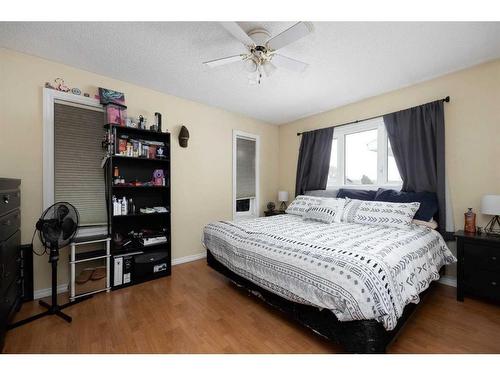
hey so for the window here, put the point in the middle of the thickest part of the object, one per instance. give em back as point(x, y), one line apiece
point(361, 158)
point(77, 139)
point(245, 174)
point(392, 169)
point(72, 155)
point(362, 155)
point(333, 173)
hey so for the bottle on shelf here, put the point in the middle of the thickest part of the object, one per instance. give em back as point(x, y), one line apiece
point(116, 176)
point(131, 207)
point(470, 221)
point(116, 206)
point(124, 206)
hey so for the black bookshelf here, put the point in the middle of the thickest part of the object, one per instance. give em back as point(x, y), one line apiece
point(137, 184)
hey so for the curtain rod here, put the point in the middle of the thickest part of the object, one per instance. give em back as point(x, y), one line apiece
point(447, 100)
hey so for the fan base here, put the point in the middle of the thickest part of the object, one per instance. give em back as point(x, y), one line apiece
point(51, 310)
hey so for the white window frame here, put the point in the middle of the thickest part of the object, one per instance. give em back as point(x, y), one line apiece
point(254, 202)
point(341, 132)
point(50, 97)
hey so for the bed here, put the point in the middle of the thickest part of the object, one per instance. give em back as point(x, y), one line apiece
point(355, 284)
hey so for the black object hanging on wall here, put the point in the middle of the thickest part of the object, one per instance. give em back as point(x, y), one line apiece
point(183, 136)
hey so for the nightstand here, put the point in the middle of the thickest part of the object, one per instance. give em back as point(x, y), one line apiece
point(478, 269)
point(274, 213)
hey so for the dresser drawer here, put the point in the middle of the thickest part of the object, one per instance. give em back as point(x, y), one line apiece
point(484, 284)
point(9, 200)
point(8, 273)
point(8, 300)
point(9, 224)
point(10, 249)
point(481, 257)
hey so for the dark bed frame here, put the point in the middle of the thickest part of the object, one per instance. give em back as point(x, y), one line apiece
point(361, 336)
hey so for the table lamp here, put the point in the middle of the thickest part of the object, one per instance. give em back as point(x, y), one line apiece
point(283, 198)
point(490, 205)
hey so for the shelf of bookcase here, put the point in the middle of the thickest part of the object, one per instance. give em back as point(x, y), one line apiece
point(124, 157)
point(130, 187)
point(135, 130)
point(142, 215)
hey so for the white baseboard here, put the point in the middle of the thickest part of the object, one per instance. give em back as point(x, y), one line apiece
point(62, 288)
point(448, 280)
point(42, 293)
point(189, 258)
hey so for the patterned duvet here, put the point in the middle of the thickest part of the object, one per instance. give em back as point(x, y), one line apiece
point(358, 271)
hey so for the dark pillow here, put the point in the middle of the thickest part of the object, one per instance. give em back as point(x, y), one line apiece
point(362, 195)
point(327, 193)
point(428, 201)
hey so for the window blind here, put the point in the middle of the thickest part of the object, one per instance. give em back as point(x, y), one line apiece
point(245, 168)
point(78, 176)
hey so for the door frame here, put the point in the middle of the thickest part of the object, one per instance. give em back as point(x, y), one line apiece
point(255, 137)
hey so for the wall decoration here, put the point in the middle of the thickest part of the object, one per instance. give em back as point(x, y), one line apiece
point(76, 91)
point(183, 136)
point(107, 96)
point(60, 85)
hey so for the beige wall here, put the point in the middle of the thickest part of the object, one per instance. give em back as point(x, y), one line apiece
point(201, 173)
point(472, 122)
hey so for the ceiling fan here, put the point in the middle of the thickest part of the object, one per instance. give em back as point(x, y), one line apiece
point(262, 56)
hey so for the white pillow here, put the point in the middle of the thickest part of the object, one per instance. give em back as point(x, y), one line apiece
point(301, 203)
point(389, 214)
point(429, 224)
point(328, 211)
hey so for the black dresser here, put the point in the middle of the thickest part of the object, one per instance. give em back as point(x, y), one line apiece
point(10, 254)
point(478, 269)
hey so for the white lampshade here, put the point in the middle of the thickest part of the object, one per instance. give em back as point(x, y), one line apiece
point(283, 196)
point(490, 205)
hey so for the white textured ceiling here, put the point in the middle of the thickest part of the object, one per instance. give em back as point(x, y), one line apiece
point(348, 61)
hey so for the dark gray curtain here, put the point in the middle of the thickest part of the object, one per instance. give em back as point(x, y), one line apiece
point(314, 160)
point(417, 140)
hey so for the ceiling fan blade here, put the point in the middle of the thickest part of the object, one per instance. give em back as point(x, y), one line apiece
point(289, 63)
point(290, 35)
point(224, 61)
point(236, 31)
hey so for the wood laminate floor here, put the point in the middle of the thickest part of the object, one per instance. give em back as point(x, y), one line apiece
point(196, 310)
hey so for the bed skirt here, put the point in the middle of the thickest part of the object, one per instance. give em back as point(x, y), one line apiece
point(360, 336)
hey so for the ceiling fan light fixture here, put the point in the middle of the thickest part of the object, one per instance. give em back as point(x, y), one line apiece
point(268, 68)
point(250, 66)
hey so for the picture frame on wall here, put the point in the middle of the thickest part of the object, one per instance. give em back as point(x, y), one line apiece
point(107, 96)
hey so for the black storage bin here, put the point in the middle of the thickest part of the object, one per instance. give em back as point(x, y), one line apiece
point(151, 265)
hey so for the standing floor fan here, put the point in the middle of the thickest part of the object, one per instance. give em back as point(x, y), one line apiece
point(57, 227)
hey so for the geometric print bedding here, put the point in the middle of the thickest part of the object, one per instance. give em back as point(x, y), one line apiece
point(358, 271)
point(328, 211)
point(397, 215)
point(301, 203)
